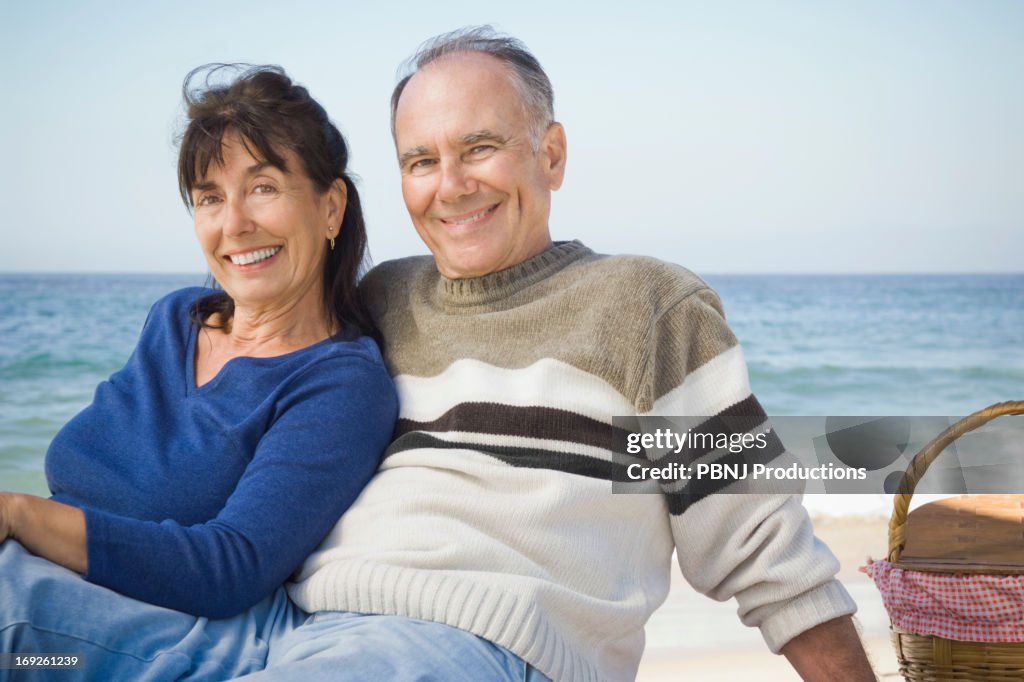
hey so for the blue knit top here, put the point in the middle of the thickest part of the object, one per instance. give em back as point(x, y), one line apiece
point(205, 499)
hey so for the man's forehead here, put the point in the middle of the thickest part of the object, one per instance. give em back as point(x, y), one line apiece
point(458, 98)
point(467, 67)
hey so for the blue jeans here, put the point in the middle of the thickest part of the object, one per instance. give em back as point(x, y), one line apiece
point(341, 645)
point(46, 609)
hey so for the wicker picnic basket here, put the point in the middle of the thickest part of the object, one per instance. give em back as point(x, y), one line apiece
point(980, 534)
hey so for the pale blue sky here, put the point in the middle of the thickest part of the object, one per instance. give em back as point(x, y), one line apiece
point(728, 136)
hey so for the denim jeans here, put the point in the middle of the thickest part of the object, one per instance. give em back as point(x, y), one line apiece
point(354, 647)
point(46, 609)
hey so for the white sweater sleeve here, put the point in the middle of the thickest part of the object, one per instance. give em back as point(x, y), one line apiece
point(758, 548)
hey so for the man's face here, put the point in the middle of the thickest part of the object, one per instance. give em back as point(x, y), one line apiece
point(476, 190)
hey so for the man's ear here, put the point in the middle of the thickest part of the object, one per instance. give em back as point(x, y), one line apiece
point(552, 152)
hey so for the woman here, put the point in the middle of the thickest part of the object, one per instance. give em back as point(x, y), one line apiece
point(245, 422)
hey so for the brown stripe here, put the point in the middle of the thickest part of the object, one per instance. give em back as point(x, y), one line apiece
point(509, 420)
point(531, 458)
point(741, 417)
point(698, 489)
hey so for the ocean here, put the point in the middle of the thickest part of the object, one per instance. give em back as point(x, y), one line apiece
point(815, 345)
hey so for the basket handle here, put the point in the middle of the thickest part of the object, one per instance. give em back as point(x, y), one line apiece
point(923, 459)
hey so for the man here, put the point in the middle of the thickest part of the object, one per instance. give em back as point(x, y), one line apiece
point(493, 511)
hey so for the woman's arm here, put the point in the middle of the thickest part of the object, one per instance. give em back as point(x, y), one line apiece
point(49, 529)
point(313, 461)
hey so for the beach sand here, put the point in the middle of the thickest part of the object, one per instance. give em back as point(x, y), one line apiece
point(691, 637)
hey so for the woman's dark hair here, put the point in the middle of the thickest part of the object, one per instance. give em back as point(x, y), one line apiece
point(273, 114)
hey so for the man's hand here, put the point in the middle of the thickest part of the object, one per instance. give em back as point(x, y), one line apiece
point(830, 652)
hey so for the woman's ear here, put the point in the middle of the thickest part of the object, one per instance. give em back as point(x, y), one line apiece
point(336, 198)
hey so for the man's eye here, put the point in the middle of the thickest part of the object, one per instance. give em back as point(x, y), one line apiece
point(421, 165)
point(481, 149)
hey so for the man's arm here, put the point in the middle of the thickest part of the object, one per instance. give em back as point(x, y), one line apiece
point(830, 652)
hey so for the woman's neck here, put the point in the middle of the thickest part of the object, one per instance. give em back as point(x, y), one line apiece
point(272, 330)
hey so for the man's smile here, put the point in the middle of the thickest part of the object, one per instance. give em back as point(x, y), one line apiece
point(468, 218)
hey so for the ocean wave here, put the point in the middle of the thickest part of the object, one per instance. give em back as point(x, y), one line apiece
point(50, 364)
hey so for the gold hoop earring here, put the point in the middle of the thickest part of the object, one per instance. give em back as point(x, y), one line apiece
point(332, 243)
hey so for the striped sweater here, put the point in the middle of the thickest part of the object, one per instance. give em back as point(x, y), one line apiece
point(493, 509)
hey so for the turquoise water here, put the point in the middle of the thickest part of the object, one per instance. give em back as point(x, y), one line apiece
point(62, 334)
point(893, 344)
point(879, 344)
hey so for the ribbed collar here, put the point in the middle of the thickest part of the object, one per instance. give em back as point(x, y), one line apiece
point(504, 283)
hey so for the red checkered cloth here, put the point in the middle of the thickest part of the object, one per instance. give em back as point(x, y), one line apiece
point(962, 607)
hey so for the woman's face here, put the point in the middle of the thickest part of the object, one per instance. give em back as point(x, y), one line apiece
point(264, 231)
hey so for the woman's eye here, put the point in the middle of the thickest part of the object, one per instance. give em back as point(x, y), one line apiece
point(207, 200)
point(264, 189)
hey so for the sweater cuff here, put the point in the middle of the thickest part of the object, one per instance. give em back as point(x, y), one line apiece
point(96, 534)
point(811, 608)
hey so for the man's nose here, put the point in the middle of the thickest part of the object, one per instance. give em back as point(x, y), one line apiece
point(456, 180)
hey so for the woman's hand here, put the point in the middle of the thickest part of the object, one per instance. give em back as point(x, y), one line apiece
point(6, 501)
point(50, 529)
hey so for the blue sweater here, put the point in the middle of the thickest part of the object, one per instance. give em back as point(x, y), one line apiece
point(206, 499)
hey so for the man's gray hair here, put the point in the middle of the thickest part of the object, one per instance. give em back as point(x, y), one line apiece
point(527, 76)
